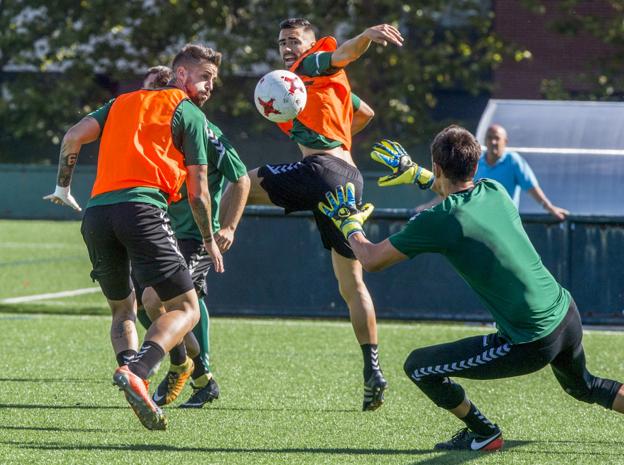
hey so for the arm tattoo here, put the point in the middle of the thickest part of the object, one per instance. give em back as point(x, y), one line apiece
point(203, 218)
point(67, 163)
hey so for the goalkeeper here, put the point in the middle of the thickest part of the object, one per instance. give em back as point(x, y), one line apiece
point(478, 229)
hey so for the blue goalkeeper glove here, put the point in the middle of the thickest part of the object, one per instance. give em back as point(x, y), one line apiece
point(404, 170)
point(343, 211)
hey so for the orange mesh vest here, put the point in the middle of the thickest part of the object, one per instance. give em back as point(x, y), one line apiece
point(137, 148)
point(328, 109)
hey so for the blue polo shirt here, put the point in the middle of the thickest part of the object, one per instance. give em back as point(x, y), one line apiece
point(511, 170)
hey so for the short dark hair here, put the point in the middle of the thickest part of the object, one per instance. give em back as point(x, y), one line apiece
point(457, 152)
point(297, 23)
point(162, 75)
point(194, 54)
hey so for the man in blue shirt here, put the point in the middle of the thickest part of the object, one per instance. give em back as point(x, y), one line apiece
point(512, 171)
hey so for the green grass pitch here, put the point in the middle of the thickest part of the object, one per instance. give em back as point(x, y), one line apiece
point(291, 389)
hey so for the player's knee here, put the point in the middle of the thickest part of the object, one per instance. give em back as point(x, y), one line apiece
point(352, 288)
point(124, 314)
point(193, 315)
point(442, 391)
point(412, 364)
point(408, 367)
point(151, 303)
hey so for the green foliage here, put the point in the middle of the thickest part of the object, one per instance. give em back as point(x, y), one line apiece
point(601, 22)
point(88, 51)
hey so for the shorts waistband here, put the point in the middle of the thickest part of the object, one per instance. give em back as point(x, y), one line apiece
point(328, 158)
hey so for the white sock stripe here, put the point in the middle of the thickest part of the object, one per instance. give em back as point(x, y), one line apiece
point(453, 367)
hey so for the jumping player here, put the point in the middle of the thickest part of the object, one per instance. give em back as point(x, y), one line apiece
point(478, 229)
point(323, 133)
point(151, 142)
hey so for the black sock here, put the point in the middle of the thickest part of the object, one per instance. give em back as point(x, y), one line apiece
point(147, 358)
point(371, 359)
point(199, 369)
point(125, 356)
point(178, 354)
point(477, 422)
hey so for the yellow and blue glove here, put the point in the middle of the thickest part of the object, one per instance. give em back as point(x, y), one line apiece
point(404, 170)
point(343, 211)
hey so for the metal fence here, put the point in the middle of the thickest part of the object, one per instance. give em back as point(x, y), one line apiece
point(279, 267)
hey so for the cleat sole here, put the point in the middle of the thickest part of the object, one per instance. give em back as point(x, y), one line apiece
point(152, 420)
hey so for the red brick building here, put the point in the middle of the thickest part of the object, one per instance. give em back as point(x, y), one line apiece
point(554, 56)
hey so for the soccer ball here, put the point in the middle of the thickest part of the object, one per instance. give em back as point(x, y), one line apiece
point(280, 96)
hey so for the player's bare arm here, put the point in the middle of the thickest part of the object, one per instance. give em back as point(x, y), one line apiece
point(232, 211)
point(361, 117)
point(85, 131)
point(352, 49)
point(199, 200)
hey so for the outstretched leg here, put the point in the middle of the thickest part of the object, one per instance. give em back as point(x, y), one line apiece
point(570, 369)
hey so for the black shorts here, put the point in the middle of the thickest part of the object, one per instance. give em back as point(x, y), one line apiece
point(138, 233)
point(198, 262)
point(301, 186)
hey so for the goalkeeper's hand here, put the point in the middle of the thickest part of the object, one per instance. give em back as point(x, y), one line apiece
point(343, 211)
point(404, 170)
point(62, 196)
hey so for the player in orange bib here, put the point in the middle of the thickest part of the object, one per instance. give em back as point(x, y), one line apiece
point(323, 132)
point(151, 143)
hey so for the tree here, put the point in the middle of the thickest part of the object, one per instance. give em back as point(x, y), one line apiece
point(602, 20)
point(61, 59)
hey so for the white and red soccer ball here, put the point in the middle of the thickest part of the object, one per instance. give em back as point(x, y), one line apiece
point(280, 96)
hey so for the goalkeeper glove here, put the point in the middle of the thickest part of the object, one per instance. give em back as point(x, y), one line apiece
point(404, 170)
point(343, 211)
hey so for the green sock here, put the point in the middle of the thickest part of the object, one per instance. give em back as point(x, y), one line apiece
point(202, 333)
point(143, 318)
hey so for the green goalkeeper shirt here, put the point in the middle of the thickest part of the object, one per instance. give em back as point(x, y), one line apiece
point(480, 232)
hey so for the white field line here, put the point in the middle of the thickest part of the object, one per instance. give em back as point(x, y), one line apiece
point(35, 245)
point(55, 295)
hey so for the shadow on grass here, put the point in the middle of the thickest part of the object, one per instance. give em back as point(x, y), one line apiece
point(121, 407)
point(286, 409)
point(60, 430)
point(63, 407)
point(53, 380)
point(440, 457)
point(233, 450)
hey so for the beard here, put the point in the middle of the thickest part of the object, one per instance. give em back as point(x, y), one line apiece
point(198, 98)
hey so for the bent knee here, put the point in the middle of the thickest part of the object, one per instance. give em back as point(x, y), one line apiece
point(411, 366)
